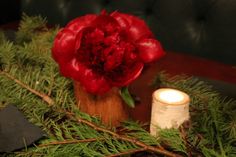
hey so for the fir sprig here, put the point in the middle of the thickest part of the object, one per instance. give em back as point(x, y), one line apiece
point(29, 28)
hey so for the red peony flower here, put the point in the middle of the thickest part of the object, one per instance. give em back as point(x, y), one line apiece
point(105, 51)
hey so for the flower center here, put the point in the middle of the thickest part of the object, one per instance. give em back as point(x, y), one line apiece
point(105, 51)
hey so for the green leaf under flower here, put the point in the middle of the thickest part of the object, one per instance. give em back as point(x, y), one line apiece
point(126, 96)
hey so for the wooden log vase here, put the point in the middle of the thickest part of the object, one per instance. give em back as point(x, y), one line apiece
point(109, 107)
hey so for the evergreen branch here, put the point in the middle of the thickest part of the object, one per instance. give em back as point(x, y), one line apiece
point(49, 100)
point(158, 149)
point(217, 133)
point(125, 130)
point(45, 97)
point(70, 142)
point(27, 154)
point(132, 151)
point(128, 139)
point(190, 148)
point(184, 137)
point(51, 86)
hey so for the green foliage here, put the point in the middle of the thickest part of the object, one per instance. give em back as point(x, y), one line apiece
point(126, 96)
point(173, 138)
point(9, 53)
point(213, 117)
point(134, 130)
point(30, 27)
point(213, 122)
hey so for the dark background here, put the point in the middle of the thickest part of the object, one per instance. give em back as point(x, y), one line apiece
point(205, 28)
point(10, 10)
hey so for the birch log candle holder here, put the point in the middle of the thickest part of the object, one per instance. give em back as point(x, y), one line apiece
point(170, 108)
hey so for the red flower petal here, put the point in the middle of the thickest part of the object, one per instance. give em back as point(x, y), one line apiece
point(150, 50)
point(79, 23)
point(137, 28)
point(91, 81)
point(71, 69)
point(128, 76)
point(106, 23)
point(64, 46)
point(78, 39)
point(94, 83)
point(121, 20)
point(114, 58)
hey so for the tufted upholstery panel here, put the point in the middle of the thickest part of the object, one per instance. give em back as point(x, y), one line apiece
point(204, 28)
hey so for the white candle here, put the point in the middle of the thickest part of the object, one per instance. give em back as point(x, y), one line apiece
point(170, 108)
